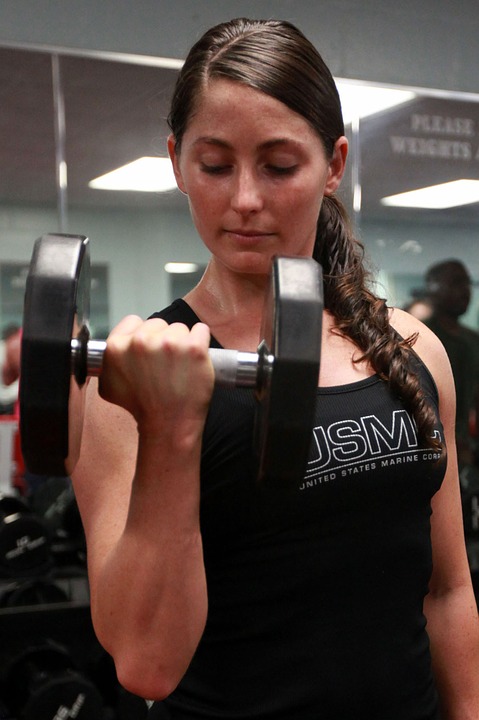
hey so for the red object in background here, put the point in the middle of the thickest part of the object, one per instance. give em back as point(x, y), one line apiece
point(12, 465)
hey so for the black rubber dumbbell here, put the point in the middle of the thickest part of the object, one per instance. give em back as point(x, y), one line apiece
point(55, 503)
point(42, 683)
point(24, 540)
point(32, 592)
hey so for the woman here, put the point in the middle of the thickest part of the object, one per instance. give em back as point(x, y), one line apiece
point(223, 598)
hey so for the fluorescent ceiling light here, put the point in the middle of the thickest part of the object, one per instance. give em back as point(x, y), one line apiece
point(437, 197)
point(178, 268)
point(147, 174)
point(359, 101)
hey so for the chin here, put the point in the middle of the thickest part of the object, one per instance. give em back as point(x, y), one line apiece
point(246, 261)
point(258, 263)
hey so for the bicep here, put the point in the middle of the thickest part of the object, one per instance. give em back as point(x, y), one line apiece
point(450, 566)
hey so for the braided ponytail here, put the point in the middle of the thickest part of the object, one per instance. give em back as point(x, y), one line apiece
point(364, 317)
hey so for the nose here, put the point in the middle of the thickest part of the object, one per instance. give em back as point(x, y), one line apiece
point(246, 195)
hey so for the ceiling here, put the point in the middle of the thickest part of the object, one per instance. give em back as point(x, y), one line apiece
point(115, 112)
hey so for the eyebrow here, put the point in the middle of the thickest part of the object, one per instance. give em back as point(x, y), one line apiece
point(208, 140)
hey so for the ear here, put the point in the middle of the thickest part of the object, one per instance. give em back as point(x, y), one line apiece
point(337, 165)
point(171, 143)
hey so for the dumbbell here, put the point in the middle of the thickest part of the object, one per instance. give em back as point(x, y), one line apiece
point(24, 540)
point(55, 503)
point(58, 355)
point(32, 592)
point(43, 683)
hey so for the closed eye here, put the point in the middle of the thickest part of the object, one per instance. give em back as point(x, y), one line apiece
point(278, 170)
point(214, 169)
point(281, 170)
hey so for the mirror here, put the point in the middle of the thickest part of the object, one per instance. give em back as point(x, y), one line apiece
point(114, 112)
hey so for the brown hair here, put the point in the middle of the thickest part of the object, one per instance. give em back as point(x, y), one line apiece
point(276, 58)
point(364, 317)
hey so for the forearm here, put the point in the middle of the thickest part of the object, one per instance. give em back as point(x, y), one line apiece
point(452, 624)
point(149, 598)
point(138, 489)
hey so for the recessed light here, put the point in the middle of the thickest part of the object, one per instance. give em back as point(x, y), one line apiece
point(179, 268)
point(360, 101)
point(146, 174)
point(437, 197)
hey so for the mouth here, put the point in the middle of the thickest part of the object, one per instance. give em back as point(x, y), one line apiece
point(249, 234)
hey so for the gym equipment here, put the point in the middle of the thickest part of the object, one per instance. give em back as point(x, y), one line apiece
point(42, 683)
point(24, 540)
point(58, 355)
point(55, 502)
point(36, 591)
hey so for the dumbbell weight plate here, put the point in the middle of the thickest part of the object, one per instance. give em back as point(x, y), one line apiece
point(24, 540)
point(51, 398)
point(291, 332)
point(43, 684)
point(36, 592)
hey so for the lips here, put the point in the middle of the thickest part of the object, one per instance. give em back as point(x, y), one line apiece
point(249, 234)
point(249, 239)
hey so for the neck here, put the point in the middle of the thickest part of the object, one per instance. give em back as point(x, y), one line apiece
point(231, 304)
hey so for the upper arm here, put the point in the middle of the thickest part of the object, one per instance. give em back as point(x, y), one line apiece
point(450, 565)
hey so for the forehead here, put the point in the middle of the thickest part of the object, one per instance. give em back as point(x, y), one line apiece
point(223, 105)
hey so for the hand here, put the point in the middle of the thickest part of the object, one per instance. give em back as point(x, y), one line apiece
point(160, 373)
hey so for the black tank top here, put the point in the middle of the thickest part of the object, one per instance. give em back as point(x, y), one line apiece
point(315, 595)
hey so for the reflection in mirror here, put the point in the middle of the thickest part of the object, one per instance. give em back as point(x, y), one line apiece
point(426, 144)
point(115, 113)
point(27, 140)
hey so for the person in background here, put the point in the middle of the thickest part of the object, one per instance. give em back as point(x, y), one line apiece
point(347, 597)
point(419, 305)
point(448, 285)
point(10, 376)
point(10, 368)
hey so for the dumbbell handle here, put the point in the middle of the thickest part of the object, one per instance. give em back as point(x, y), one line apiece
point(233, 368)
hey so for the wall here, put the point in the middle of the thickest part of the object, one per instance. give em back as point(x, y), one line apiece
point(432, 43)
point(427, 44)
point(136, 246)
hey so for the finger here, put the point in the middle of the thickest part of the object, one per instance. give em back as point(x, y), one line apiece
point(200, 333)
point(127, 326)
point(179, 339)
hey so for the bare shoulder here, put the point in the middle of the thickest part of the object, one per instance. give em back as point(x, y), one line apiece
point(407, 325)
point(427, 346)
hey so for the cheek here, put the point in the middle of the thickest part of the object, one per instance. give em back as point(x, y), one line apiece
point(205, 207)
point(307, 190)
point(301, 206)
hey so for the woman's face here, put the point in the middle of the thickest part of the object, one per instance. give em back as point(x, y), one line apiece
point(255, 173)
